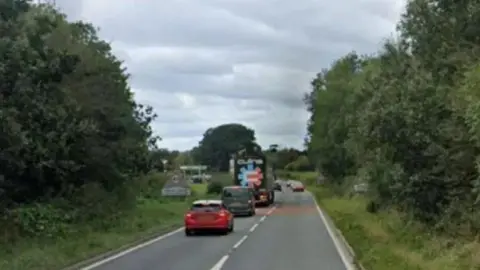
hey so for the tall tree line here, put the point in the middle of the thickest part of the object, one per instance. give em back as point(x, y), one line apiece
point(72, 135)
point(407, 119)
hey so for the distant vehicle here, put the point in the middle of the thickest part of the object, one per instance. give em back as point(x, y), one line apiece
point(298, 187)
point(200, 178)
point(208, 215)
point(197, 179)
point(239, 200)
point(277, 186)
point(250, 170)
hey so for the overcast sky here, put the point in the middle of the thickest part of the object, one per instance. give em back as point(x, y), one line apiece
point(202, 63)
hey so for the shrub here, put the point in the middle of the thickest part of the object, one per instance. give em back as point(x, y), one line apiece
point(214, 188)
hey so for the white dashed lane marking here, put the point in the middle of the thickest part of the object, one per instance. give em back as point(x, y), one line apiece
point(240, 242)
point(220, 263)
point(223, 260)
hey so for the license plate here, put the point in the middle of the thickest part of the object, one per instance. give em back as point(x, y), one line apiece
point(263, 198)
point(236, 204)
point(205, 218)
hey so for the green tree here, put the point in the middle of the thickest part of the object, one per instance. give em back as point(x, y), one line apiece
point(302, 163)
point(183, 158)
point(71, 128)
point(406, 119)
point(328, 104)
point(219, 143)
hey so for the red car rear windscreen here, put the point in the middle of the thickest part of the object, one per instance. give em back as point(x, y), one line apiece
point(211, 207)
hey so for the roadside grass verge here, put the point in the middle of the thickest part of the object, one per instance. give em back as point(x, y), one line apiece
point(151, 216)
point(199, 192)
point(223, 177)
point(199, 189)
point(385, 240)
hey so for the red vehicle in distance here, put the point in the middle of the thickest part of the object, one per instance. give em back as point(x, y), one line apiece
point(208, 215)
point(298, 187)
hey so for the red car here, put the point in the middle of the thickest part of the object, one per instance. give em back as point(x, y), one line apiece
point(208, 215)
point(298, 188)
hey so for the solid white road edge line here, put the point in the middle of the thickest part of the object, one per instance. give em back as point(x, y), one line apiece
point(349, 265)
point(240, 242)
point(220, 263)
point(132, 249)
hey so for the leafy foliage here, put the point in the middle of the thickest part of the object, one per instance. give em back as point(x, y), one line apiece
point(215, 187)
point(219, 143)
point(302, 163)
point(73, 141)
point(406, 120)
point(281, 158)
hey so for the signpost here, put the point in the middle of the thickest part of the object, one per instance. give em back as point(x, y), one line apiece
point(176, 186)
point(198, 175)
point(164, 161)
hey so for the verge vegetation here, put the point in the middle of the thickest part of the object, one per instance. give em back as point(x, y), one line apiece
point(77, 163)
point(388, 239)
point(405, 121)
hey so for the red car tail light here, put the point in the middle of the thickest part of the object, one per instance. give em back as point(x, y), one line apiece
point(188, 216)
point(222, 214)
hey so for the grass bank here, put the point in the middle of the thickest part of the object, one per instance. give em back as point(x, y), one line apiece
point(386, 241)
point(222, 177)
point(150, 217)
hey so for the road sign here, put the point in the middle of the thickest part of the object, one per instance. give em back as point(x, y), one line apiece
point(194, 168)
point(176, 191)
point(176, 186)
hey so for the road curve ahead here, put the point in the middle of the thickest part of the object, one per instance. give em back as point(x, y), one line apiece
point(290, 235)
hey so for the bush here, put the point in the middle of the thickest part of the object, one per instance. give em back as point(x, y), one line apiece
point(215, 187)
point(406, 120)
point(284, 175)
point(44, 220)
point(151, 184)
point(84, 141)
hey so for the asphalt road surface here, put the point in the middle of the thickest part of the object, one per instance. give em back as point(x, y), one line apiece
point(290, 235)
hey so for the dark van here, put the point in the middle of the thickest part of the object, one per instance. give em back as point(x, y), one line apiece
point(239, 200)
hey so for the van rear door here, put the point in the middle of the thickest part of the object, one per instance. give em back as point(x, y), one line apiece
point(236, 197)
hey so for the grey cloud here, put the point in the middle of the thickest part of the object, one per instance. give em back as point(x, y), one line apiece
point(284, 122)
point(284, 87)
point(204, 63)
point(157, 99)
point(176, 23)
point(73, 8)
point(182, 62)
point(178, 143)
point(177, 130)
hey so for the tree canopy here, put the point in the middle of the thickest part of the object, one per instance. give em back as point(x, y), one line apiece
point(71, 130)
point(219, 143)
point(406, 119)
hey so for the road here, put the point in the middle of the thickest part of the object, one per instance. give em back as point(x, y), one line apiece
point(290, 235)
